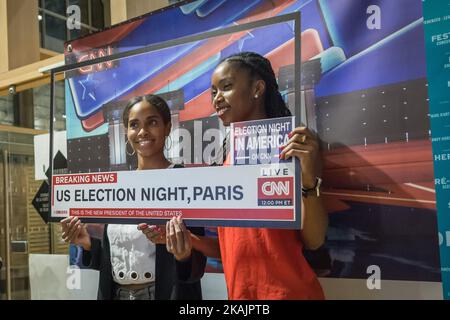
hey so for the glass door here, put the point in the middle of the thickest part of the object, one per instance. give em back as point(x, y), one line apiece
point(17, 188)
point(22, 230)
point(4, 255)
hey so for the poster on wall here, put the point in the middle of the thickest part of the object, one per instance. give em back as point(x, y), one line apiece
point(437, 42)
point(204, 195)
point(363, 90)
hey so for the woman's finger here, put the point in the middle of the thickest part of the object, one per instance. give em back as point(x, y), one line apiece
point(142, 226)
point(302, 131)
point(178, 236)
point(72, 223)
point(303, 135)
point(172, 236)
point(298, 152)
point(292, 146)
point(303, 139)
point(65, 224)
point(161, 230)
point(168, 243)
point(147, 233)
point(72, 228)
point(187, 238)
point(76, 233)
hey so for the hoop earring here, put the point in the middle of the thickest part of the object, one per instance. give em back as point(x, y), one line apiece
point(170, 144)
point(126, 149)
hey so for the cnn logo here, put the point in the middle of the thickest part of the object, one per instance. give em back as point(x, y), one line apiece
point(275, 188)
point(279, 188)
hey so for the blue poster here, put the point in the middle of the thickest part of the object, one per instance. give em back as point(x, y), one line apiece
point(437, 42)
point(259, 141)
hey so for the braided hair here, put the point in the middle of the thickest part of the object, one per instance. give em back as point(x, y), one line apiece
point(259, 67)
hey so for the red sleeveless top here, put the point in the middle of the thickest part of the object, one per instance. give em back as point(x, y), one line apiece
point(266, 264)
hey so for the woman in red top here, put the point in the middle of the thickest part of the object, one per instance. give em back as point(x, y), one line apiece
point(266, 263)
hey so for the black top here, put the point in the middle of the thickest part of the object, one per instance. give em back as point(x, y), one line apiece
point(174, 280)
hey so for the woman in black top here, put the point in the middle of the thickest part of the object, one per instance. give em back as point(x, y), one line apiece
point(132, 267)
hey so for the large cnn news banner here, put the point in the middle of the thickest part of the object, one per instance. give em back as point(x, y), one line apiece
point(258, 190)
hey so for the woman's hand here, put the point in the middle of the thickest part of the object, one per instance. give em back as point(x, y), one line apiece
point(178, 239)
point(304, 145)
point(75, 232)
point(156, 234)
